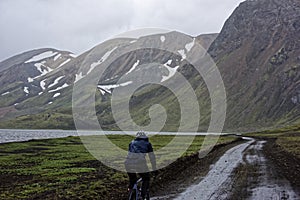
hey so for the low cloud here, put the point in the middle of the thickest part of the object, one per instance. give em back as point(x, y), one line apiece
point(77, 25)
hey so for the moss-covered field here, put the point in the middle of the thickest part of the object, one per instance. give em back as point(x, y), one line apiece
point(64, 169)
point(287, 138)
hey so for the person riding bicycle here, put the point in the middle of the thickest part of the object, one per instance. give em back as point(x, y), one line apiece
point(136, 161)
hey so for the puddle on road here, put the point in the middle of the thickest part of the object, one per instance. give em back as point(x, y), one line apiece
point(218, 182)
point(270, 186)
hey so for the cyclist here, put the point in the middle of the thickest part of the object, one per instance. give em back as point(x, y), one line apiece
point(136, 161)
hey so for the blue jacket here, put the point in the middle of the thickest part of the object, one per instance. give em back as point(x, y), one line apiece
point(140, 145)
point(137, 150)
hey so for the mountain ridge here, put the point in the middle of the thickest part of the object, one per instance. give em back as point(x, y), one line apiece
point(258, 47)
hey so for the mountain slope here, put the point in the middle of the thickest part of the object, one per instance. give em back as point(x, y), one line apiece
point(54, 97)
point(23, 76)
point(257, 53)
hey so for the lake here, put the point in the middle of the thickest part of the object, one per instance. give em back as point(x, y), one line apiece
point(18, 135)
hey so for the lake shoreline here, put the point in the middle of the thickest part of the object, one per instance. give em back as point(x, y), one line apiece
point(19, 135)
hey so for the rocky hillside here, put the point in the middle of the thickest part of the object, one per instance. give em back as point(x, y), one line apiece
point(42, 96)
point(257, 53)
point(22, 76)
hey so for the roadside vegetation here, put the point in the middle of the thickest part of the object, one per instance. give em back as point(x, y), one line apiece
point(287, 138)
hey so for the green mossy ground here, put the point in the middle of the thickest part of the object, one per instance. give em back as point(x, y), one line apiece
point(288, 138)
point(64, 169)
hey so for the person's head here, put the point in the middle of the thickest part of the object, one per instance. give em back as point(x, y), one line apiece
point(141, 135)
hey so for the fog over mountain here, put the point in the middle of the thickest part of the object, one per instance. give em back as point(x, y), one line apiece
point(76, 25)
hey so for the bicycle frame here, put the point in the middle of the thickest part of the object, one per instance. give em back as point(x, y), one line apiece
point(137, 190)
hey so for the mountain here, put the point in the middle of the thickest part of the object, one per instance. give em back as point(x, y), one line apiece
point(42, 96)
point(207, 39)
point(257, 53)
point(21, 77)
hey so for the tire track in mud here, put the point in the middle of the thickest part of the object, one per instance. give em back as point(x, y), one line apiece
point(218, 179)
point(220, 182)
point(270, 185)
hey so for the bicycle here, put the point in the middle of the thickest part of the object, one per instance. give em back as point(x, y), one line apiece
point(136, 192)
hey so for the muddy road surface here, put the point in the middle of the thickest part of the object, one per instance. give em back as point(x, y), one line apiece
point(243, 172)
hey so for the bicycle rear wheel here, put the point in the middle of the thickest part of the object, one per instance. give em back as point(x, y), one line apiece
point(132, 195)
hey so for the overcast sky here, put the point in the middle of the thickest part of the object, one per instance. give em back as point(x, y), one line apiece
point(78, 25)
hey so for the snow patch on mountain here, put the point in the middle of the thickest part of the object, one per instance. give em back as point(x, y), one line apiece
point(50, 102)
point(162, 38)
point(114, 77)
point(56, 95)
point(41, 56)
point(55, 81)
point(68, 60)
point(78, 77)
point(108, 88)
point(171, 70)
point(168, 63)
point(133, 67)
point(103, 91)
point(59, 88)
point(106, 55)
point(73, 55)
point(26, 90)
point(182, 53)
point(42, 68)
point(93, 65)
point(5, 93)
point(29, 79)
point(42, 84)
point(57, 57)
point(190, 45)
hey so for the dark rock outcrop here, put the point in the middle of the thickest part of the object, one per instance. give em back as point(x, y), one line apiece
point(256, 52)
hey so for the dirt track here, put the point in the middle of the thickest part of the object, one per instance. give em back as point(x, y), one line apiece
point(243, 172)
point(186, 171)
point(270, 184)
